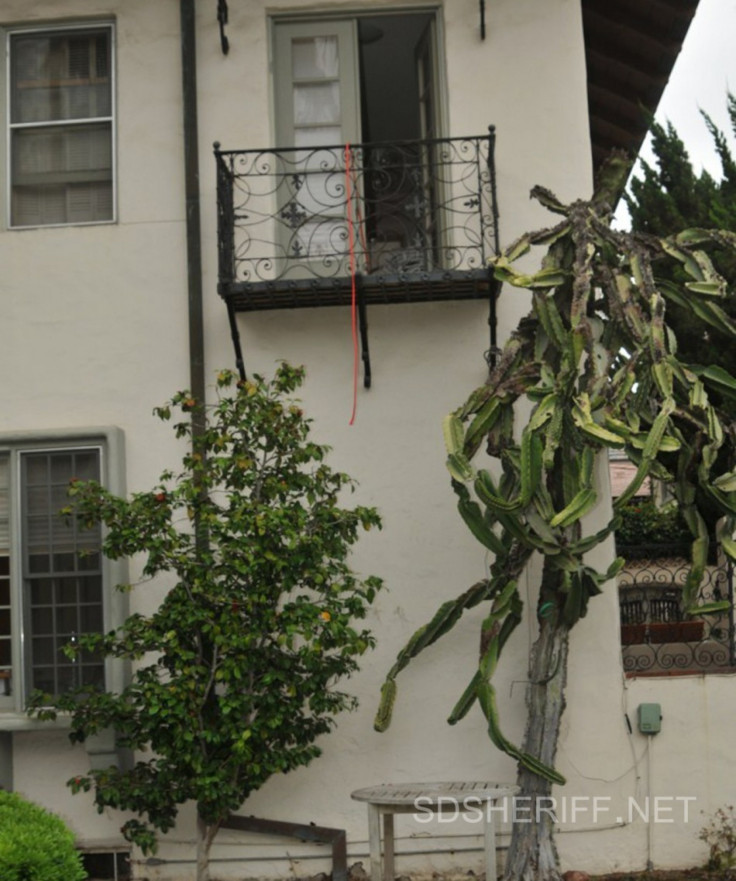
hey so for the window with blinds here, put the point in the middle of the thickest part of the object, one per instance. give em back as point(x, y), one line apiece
point(61, 126)
point(62, 574)
point(6, 660)
point(51, 573)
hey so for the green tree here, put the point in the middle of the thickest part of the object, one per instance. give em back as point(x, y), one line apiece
point(669, 196)
point(594, 366)
point(235, 671)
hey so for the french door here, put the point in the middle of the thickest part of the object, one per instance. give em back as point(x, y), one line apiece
point(344, 82)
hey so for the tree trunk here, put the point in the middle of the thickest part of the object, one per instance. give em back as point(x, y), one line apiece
point(205, 837)
point(533, 854)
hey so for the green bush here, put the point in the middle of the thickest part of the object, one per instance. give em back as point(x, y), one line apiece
point(35, 845)
point(644, 523)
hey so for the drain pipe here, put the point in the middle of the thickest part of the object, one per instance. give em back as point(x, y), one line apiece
point(193, 224)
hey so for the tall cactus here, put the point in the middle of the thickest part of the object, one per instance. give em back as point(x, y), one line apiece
point(598, 365)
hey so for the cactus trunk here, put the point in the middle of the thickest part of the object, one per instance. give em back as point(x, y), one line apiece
point(532, 855)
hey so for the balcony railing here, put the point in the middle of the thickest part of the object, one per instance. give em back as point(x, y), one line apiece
point(657, 636)
point(411, 220)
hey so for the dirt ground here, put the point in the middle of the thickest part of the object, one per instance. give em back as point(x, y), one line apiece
point(669, 875)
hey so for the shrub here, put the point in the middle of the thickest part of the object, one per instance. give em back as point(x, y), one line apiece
point(720, 836)
point(643, 522)
point(35, 845)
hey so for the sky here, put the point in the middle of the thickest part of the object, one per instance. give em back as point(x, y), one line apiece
point(704, 72)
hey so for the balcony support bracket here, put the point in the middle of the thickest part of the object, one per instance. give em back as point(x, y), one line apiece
point(235, 334)
point(363, 329)
point(222, 17)
point(494, 289)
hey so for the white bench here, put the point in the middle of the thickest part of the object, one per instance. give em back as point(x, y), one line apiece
point(418, 798)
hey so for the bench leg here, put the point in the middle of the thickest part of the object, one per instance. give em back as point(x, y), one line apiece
point(388, 847)
point(489, 842)
point(374, 842)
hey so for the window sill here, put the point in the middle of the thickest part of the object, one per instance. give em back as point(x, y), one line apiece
point(13, 721)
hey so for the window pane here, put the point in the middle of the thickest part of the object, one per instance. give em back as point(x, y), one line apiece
point(37, 498)
point(62, 154)
point(90, 619)
point(93, 674)
point(317, 104)
point(38, 563)
point(66, 677)
point(60, 76)
point(90, 589)
point(63, 529)
point(38, 533)
point(43, 678)
point(41, 592)
point(63, 562)
point(315, 58)
point(61, 467)
point(86, 466)
point(87, 561)
point(36, 469)
point(42, 621)
point(66, 590)
point(67, 622)
point(43, 650)
point(72, 203)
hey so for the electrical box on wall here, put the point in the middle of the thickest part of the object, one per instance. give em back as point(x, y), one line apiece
point(650, 718)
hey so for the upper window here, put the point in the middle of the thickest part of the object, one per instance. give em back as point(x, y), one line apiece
point(61, 106)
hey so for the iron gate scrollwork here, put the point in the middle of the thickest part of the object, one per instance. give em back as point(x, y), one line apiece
point(657, 635)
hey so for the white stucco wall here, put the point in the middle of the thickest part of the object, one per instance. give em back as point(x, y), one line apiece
point(96, 333)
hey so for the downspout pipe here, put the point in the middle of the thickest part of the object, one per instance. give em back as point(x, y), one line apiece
point(193, 222)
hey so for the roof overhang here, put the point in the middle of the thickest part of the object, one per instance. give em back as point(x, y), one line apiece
point(630, 50)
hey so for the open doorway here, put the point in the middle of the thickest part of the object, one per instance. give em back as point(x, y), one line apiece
point(369, 82)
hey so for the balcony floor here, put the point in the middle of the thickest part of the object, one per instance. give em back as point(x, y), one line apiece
point(375, 288)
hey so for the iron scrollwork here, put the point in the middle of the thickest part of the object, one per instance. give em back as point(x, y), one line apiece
point(410, 209)
point(657, 636)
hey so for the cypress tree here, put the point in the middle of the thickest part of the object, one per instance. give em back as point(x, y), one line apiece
point(669, 196)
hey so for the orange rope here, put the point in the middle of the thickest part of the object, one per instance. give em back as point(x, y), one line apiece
point(353, 288)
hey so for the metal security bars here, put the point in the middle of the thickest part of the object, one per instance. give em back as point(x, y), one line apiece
point(657, 636)
point(412, 220)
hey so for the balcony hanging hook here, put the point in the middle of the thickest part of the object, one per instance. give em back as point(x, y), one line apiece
point(482, 19)
point(222, 17)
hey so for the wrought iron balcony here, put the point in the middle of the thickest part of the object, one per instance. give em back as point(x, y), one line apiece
point(404, 221)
